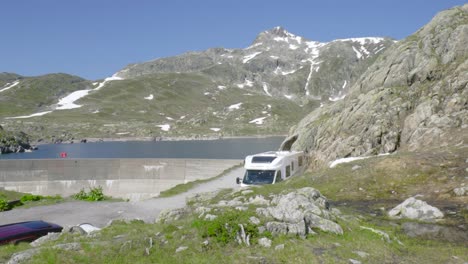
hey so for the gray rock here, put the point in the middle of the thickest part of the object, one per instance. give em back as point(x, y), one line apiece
point(279, 247)
point(461, 191)
point(259, 200)
point(181, 248)
point(68, 246)
point(264, 242)
point(44, 239)
point(355, 167)
point(23, 256)
point(361, 254)
point(415, 209)
point(254, 220)
point(353, 261)
point(280, 228)
point(210, 217)
point(315, 221)
point(166, 216)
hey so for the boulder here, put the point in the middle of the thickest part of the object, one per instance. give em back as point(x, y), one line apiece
point(298, 213)
point(413, 208)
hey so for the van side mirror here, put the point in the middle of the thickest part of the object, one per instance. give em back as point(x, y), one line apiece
point(238, 180)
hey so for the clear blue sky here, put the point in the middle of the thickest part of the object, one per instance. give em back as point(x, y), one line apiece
point(95, 38)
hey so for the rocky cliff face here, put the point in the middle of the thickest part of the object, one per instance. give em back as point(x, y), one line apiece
point(13, 142)
point(414, 96)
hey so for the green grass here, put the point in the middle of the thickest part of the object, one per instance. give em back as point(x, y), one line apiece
point(175, 95)
point(413, 173)
point(26, 200)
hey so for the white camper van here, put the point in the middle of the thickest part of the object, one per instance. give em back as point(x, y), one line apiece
point(271, 167)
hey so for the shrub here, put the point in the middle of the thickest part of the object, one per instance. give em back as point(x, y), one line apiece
point(94, 194)
point(225, 227)
point(4, 206)
point(30, 197)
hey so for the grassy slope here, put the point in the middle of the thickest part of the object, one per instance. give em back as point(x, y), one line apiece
point(123, 109)
point(34, 94)
point(432, 174)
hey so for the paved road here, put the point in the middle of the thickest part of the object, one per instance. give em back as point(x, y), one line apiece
point(100, 213)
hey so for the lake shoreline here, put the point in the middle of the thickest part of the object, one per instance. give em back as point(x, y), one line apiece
point(154, 139)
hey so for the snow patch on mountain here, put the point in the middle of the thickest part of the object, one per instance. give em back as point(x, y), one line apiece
point(247, 58)
point(265, 88)
point(149, 97)
point(9, 86)
point(246, 83)
point(254, 45)
point(165, 127)
point(33, 115)
point(362, 41)
point(215, 129)
point(68, 102)
point(235, 106)
point(258, 121)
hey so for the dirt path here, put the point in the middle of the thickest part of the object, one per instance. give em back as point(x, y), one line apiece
point(100, 213)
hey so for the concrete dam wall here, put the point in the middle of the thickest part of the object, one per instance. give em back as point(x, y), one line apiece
point(133, 179)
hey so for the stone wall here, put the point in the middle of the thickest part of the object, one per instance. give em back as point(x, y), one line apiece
point(133, 179)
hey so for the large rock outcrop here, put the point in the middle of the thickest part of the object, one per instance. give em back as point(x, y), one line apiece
point(414, 96)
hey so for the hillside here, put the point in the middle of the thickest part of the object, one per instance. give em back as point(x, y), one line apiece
point(261, 90)
point(414, 97)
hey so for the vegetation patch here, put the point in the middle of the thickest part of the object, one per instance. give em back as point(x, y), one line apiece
point(94, 194)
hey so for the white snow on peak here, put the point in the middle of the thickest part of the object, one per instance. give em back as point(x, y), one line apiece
point(265, 88)
point(362, 41)
point(255, 45)
point(235, 106)
point(274, 57)
point(206, 93)
point(269, 106)
point(246, 83)
point(258, 121)
point(169, 118)
point(221, 87)
point(215, 129)
point(182, 117)
point(344, 84)
point(149, 97)
point(33, 115)
point(293, 47)
point(247, 58)
point(68, 102)
point(9, 86)
point(288, 96)
point(165, 127)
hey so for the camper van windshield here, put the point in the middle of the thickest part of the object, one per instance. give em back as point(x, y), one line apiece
point(259, 177)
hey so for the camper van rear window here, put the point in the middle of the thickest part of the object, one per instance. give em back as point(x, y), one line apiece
point(260, 159)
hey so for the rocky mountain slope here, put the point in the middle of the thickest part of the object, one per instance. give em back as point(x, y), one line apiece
point(413, 97)
point(278, 63)
point(263, 89)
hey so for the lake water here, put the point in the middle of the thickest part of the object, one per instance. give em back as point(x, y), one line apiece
point(235, 148)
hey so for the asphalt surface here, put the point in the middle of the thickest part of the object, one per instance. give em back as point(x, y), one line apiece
point(101, 213)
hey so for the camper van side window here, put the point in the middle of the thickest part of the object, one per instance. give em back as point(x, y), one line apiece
point(288, 171)
point(292, 166)
point(300, 161)
point(278, 176)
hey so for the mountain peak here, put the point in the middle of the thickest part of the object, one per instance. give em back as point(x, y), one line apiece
point(277, 34)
